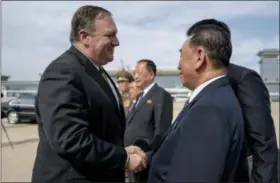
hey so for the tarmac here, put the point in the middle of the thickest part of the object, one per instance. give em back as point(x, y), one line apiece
point(17, 160)
point(23, 133)
point(19, 134)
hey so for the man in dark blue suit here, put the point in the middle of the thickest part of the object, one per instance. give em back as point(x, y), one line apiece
point(205, 141)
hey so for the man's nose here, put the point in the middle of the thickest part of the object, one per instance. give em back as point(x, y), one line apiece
point(179, 66)
point(116, 42)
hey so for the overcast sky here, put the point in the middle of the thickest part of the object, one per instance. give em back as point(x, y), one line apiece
point(35, 33)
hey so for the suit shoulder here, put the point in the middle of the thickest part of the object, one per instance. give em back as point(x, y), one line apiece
point(223, 98)
point(229, 110)
point(162, 95)
point(242, 76)
point(239, 71)
point(163, 91)
point(65, 63)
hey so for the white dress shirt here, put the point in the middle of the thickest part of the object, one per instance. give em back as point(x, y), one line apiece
point(203, 85)
point(144, 92)
point(147, 89)
point(195, 93)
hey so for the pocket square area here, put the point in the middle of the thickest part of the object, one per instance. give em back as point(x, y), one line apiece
point(149, 101)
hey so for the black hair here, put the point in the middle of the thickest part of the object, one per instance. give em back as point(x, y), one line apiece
point(215, 37)
point(150, 65)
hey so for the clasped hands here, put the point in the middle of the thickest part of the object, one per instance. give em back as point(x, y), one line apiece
point(137, 160)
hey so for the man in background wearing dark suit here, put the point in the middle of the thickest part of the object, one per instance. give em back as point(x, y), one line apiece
point(134, 92)
point(260, 136)
point(151, 114)
point(79, 110)
point(206, 139)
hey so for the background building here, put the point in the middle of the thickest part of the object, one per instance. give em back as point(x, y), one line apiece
point(166, 78)
point(269, 71)
point(4, 78)
point(169, 78)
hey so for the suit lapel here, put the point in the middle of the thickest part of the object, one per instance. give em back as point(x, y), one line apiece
point(212, 86)
point(160, 141)
point(129, 116)
point(141, 103)
point(94, 74)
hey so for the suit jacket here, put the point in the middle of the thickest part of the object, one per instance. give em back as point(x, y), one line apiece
point(259, 127)
point(149, 121)
point(151, 118)
point(80, 125)
point(205, 140)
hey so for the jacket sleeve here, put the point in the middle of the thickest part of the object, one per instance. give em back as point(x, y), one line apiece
point(255, 101)
point(62, 107)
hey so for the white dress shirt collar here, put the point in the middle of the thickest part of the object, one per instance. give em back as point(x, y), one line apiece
point(97, 67)
point(203, 85)
point(147, 89)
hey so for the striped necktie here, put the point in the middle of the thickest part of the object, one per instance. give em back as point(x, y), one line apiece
point(139, 98)
point(137, 101)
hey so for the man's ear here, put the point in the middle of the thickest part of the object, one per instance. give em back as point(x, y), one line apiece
point(200, 56)
point(83, 37)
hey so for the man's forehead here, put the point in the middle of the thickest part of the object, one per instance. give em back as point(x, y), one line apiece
point(138, 65)
point(106, 23)
point(189, 37)
point(183, 46)
point(110, 29)
point(188, 40)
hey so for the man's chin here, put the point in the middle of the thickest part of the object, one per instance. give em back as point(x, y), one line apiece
point(108, 61)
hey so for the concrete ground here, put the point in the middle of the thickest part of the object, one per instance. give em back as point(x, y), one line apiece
point(17, 162)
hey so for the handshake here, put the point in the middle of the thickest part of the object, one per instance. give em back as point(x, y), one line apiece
point(137, 160)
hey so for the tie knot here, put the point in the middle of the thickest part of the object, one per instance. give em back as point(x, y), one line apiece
point(101, 70)
point(141, 94)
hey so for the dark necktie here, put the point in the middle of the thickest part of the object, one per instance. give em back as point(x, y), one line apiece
point(104, 75)
point(102, 72)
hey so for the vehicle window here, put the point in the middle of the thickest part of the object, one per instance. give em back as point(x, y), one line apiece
point(13, 102)
point(27, 95)
point(28, 101)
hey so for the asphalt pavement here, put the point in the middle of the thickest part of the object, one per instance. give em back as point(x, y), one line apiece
point(17, 162)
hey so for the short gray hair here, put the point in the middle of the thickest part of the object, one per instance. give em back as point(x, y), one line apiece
point(83, 20)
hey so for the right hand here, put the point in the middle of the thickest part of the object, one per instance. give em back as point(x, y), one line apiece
point(137, 159)
point(136, 150)
point(136, 163)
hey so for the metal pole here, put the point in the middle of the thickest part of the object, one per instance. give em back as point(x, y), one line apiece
point(6, 133)
point(4, 129)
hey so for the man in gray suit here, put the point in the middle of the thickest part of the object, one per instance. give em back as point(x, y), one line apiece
point(151, 114)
